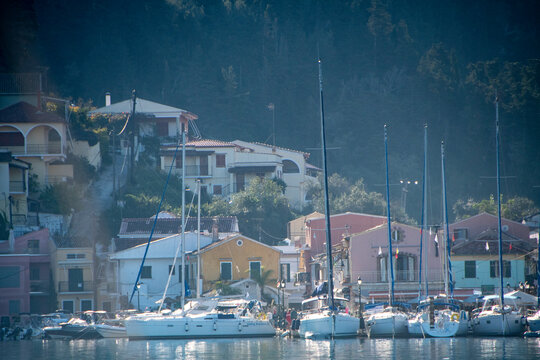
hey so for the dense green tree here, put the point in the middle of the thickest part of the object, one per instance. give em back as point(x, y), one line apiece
point(516, 208)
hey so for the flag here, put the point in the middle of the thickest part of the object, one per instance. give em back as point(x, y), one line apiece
point(436, 240)
point(397, 252)
point(510, 247)
point(487, 246)
point(380, 251)
point(453, 237)
point(270, 106)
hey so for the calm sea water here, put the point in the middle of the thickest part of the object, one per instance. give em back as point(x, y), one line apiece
point(275, 348)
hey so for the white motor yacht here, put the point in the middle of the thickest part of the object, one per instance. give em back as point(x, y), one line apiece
point(492, 321)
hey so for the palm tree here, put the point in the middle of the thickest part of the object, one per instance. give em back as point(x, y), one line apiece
point(262, 279)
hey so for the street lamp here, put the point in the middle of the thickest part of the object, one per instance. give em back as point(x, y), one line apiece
point(139, 296)
point(360, 303)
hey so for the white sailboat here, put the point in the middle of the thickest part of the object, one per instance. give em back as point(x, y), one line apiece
point(199, 318)
point(212, 318)
point(391, 322)
point(499, 319)
point(327, 321)
point(443, 315)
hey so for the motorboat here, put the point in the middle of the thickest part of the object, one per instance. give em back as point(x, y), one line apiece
point(228, 319)
point(494, 321)
point(318, 320)
point(534, 321)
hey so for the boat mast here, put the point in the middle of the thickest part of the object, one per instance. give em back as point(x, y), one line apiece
point(326, 201)
point(390, 260)
point(499, 231)
point(423, 218)
point(198, 237)
point(448, 281)
point(183, 238)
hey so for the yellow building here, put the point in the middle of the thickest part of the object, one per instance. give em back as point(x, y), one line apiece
point(73, 274)
point(234, 258)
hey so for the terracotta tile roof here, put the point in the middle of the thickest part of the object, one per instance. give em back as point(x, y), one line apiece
point(490, 236)
point(139, 226)
point(23, 112)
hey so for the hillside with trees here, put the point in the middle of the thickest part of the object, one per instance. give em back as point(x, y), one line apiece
point(404, 64)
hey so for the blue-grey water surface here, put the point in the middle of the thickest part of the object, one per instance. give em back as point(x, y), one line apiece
point(275, 348)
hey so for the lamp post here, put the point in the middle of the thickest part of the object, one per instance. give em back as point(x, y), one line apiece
point(360, 303)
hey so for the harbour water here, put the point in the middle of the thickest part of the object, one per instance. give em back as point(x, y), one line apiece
point(275, 348)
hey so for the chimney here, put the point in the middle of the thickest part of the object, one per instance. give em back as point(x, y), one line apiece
point(215, 230)
point(107, 99)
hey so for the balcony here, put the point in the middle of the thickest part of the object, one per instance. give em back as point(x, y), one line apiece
point(39, 286)
point(194, 171)
point(75, 287)
point(15, 150)
point(25, 220)
point(44, 149)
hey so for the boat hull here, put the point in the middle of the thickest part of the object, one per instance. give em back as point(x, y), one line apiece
point(111, 331)
point(180, 327)
point(319, 325)
point(492, 325)
point(387, 325)
point(71, 332)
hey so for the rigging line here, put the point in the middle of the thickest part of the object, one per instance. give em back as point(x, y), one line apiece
point(174, 260)
point(125, 125)
point(273, 237)
point(154, 225)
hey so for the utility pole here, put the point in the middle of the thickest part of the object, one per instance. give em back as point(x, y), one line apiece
point(132, 137)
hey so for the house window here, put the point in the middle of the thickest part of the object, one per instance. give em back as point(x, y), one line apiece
point(146, 272)
point(186, 266)
point(470, 269)
point(460, 234)
point(404, 266)
point(14, 307)
point(220, 160)
point(289, 167)
point(173, 270)
point(9, 276)
point(33, 246)
point(67, 306)
point(178, 162)
point(162, 128)
point(218, 190)
point(225, 270)
point(86, 305)
point(254, 269)
point(75, 256)
point(397, 235)
point(494, 269)
point(285, 272)
point(34, 272)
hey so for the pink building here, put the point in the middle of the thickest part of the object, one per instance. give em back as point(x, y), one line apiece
point(25, 274)
point(368, 253)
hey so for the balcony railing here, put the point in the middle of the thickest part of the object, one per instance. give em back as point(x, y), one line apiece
point(17, 186)
point(39, 286)
point(194, 171)
point(50, 148)
point(66, 286)
point(15, 150)
point(25, 220)
point(51, 180)
point(399, 276)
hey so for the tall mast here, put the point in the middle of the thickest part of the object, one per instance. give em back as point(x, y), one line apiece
point(198, 237)
point(423, 218)
point(390, 260)
point(499, 227)
point(448, 284)
point(326, 201)
point(183, 238)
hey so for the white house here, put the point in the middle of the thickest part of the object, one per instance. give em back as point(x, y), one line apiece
point(289, 265)
point(225, 168)
point(156, 269)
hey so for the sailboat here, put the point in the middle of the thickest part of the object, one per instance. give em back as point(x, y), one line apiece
point(327, 320)
point(445, 318)
point(391, 322)
point(496, 318)
point(200, 318)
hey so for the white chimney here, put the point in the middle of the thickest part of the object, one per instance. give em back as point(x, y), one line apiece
point(107, 99)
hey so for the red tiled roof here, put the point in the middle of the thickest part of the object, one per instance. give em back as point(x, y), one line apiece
point(133, 226)
point(23, 112)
